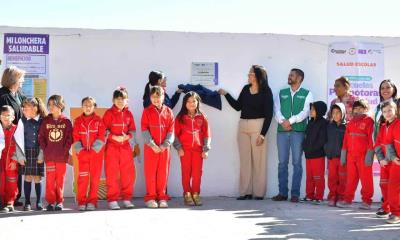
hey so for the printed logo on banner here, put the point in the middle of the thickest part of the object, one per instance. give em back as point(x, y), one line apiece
point(338, 51)
point(352, 51)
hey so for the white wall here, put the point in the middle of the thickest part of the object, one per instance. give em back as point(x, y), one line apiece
point(93, 62)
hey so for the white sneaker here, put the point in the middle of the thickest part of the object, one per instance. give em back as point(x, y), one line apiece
point(81, 207)
point(162, 204)
point(343, 204)
point(364, 206)
point(151, 204)
point(113, 205)
point(90, 207)
point(128, 204)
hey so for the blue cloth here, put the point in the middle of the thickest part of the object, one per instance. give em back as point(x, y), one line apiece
point(31, 130)
point(286, 141)
point(209, 97)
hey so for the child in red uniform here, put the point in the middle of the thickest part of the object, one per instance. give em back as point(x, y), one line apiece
point(8, 166)
point(393, 192)
point(89, 140)
point(121, 141)
point(313, 146)
point(158, 132)
point(55, 139)
point(192, 140)
point(358, 153)
point(383, 150)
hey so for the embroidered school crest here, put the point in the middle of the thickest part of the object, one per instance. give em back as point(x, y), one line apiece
point(55, 135)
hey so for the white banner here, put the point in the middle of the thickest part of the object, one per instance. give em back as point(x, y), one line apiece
point(361, 63)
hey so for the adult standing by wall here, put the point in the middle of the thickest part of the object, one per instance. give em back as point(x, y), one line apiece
point(343, 95)
point(387, 92)
point(158, 78)
point(292, 106)
point(10, 94)
point(256, 105)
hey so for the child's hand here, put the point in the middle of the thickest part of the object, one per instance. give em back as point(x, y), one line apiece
point(40, 161)
point(259, 141)
point(70, 161)
point(125, 137)
point(204, 155)
point(181, 153)
point(396, 161)
point(156, 149)
point(136, 150)
point(118, 138)
point(383, 163)
point(12, 166)
point(162, 148)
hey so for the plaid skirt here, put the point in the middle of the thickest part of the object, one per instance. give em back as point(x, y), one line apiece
point(31, 166)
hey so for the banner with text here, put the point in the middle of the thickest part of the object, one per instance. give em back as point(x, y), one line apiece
point(29, 52)
point(361, 63)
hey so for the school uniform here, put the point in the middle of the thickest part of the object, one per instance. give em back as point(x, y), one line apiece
point(55, 140)
point(192, 135)
point(119, 165)
point(158, 129)
point(357, 153)
point(9, 177)
point(89, 139)
point(313, 146)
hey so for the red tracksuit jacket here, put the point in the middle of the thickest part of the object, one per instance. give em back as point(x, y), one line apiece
point(385, 139)
point(55, 138)
point(192, 133)
point(357, 139)
point(158, 123)
point(119, 122)
point(88, 129)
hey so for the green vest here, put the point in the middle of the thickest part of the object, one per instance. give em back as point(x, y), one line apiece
point(291, 107)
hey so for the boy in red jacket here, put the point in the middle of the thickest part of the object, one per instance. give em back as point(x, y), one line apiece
point(8, 166)
point(358, 153)
point(89, 140)
point(384, 152)
point(192, 140)
point(121, 142)
point(55, 140)
point(158, 132)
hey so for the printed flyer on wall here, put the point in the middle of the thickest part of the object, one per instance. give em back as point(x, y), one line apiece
point(29, 52)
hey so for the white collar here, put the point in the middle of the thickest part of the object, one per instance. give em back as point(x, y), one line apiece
point(36, 118)
point(294, 92)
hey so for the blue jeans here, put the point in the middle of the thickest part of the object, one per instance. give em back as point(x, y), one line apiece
point(286, 141)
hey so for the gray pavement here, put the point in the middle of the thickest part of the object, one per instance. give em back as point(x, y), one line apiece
point(219, 218)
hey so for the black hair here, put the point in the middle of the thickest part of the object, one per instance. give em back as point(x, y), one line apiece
point(299, 72)
point(154, 78)
point(261, 76)
point(363, 103)
point(157, 90)
point(89, 98)
point(184, 110)
point(391, 83)
point(58, 100)
point(7, 108)
point(120, 92)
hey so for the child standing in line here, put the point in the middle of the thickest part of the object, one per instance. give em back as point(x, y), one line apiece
point(28, 151)
point(158, 132)
point(8, 166)
point(336, 171)
point(55, 139)
point(358, 153)
point(192, 140)
point(89, 140)
point(313, 147)
point(121, 142)
point(385, 152)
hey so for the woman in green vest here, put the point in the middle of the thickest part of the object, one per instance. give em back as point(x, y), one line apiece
point(256, 105)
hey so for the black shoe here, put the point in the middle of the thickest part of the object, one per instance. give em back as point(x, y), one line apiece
point(245, 197)
point(295, 199)
point(382, 214)
point(50, 208)
point(27, 207)
point(258, 198)
point(279, 198)
point(39, 206)
point(59, 207)
point(18, 204)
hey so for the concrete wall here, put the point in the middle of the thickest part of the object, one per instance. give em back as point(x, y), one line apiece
point(93, 62)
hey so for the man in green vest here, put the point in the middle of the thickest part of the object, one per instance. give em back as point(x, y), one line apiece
point(291, 107)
